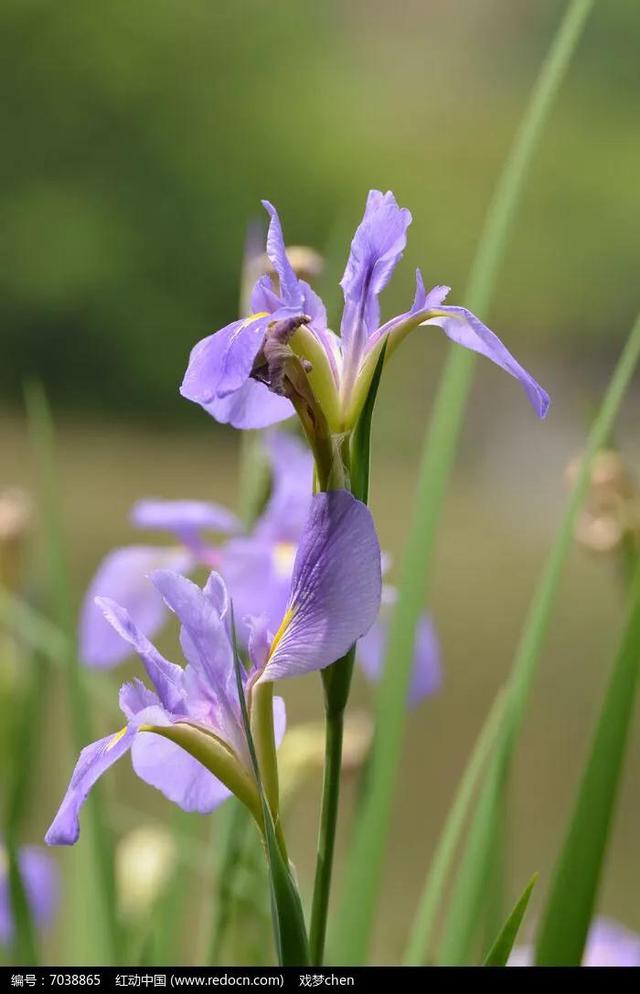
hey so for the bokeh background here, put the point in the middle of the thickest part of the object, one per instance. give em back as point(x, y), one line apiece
point(139, 139)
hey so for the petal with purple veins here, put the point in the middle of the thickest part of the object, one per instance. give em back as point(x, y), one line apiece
point(336, 587)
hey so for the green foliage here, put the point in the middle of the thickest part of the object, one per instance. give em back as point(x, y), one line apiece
point(566, 920)
point(500, 951)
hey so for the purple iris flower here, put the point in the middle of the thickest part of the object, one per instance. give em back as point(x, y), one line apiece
point(256, 566)
point(42, 886)
point(333, 600)
point(608, 944)
point(237, 373)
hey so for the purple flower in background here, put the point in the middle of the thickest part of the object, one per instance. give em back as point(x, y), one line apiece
point(334, 598)
point(42, 886)
point(257, 568)
point(608, 944)
point(242, 374)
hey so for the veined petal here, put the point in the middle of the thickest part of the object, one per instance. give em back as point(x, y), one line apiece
point(290, 290)
point(94, 760)
point(463, 327)
point(252, 406)
point(165, 676)
point(183, 516)
point(222, 363)
point(257, 572)
point(122, 577)
point(336, 587)
point(376, 249)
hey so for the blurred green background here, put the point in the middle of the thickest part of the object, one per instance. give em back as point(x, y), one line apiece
point(139, 139)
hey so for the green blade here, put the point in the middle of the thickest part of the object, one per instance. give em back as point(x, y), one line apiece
point(364, 867)
point(500, 951)
point(421, 932)
point(565, 922)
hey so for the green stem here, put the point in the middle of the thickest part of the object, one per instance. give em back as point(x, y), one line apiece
point(326, 835)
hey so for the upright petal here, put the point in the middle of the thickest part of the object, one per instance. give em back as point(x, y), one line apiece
point(336, 587)
point(184, 517)
point(376, 249)
point(122, 577)
point(206, 644)
point(426, 673)
point(463, 327)
point(290, 290)
point(94, 760)
point(165, 676)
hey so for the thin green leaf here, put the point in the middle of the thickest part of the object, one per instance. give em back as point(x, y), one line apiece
point(364, 866)
point(288, 918)
point(101, 890)
point(361, 443)
point(500, 951)
point(472, 876)
point(422, 929)
point(570, 906)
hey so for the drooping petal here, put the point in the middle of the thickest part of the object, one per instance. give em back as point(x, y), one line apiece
point(466, 329)
point(336, 587)
point(173, 771)
point(165, 676)
point(376, 249)
point(252, 406)
point(184, 517)
point(426, 673)
point(222, 363)
point(462, 327)
point(94, 760)
point(122, 577)
point(290, 290)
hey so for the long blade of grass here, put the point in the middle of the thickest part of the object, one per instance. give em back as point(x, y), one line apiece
point(106, 933)
point(500, 951)
point(570, 905)
point(365, 863)
point(472, 875)
point(422, 929)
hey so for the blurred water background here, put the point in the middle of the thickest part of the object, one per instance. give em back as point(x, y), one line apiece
point(140, 139)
